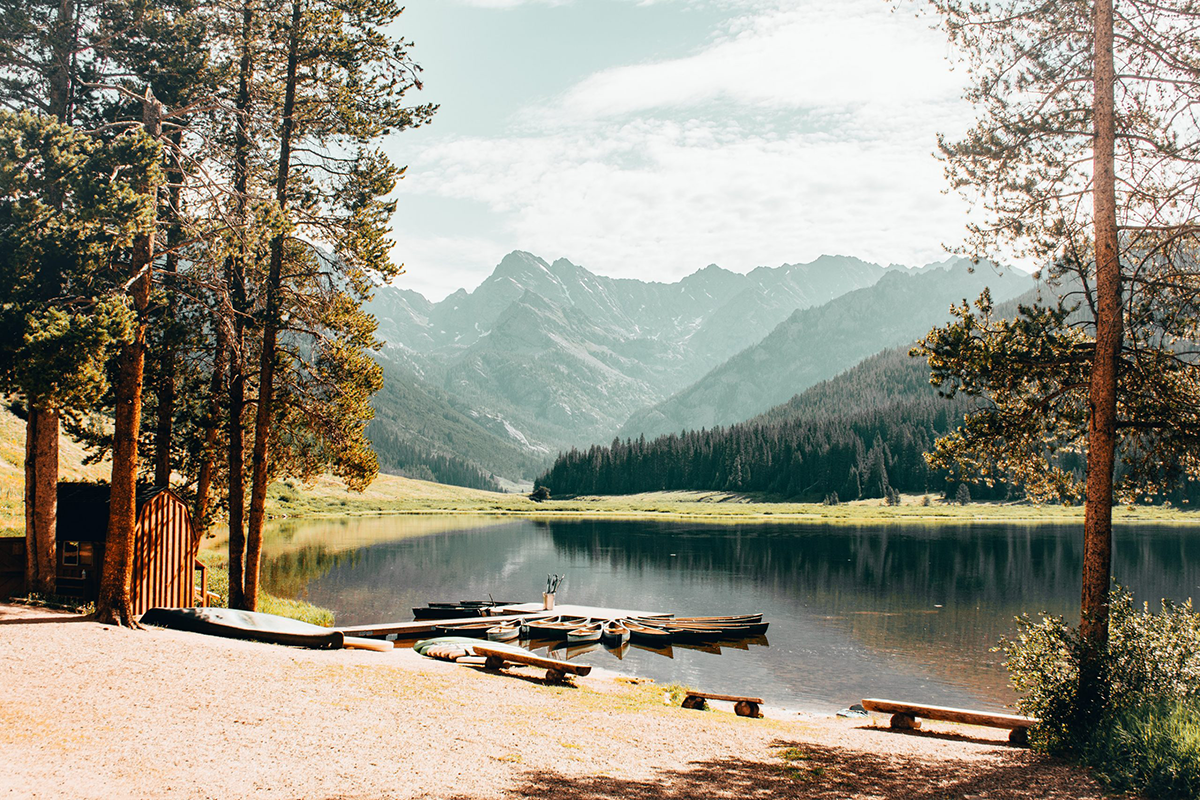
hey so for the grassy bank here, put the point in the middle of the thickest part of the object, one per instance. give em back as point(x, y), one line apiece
point(218, 583)
point(394, 495)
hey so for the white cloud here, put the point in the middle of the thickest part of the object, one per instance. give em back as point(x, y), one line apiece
point(830, 55)
point(802, 128)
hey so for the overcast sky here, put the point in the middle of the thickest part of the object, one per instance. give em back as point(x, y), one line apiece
point(649, 138)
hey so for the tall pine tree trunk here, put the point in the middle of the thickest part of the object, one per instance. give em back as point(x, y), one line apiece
point(235, 279)
point(41, 499)
point(266, 375)
point(165, 389)
point(1102, 390)
point(41, 432)
point(204, 476)
point(115, 604)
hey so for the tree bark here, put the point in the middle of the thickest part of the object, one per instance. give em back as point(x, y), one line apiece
point(41, 431)
point(41, 499)
point(165, 390)
point(204, 477)
point(235, 279)
point(115, 604)
point(1102, 390)
point(266, 374)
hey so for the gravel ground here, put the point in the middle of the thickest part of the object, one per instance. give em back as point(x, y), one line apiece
point(92, 711)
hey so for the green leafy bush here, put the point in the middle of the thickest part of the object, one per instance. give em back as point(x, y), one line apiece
point(1148, 735)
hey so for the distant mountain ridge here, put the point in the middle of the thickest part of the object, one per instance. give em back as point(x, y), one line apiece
point(817, 343)
point(561, 356)
point(541, 357)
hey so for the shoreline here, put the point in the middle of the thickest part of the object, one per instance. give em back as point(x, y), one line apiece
point(179, 715)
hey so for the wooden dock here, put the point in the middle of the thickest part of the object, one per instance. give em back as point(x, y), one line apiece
point(521, 612)
point(594, 612)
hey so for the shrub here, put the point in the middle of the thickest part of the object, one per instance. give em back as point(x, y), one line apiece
point(1147, 738)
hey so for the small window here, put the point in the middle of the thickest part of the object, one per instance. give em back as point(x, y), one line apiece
point(85, 554)
point(70, 554)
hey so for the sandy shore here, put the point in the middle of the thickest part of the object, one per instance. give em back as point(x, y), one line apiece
point(92, 711)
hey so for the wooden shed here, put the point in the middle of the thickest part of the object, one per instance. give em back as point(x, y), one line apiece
point(164, 555)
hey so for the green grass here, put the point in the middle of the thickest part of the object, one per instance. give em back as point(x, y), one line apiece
point(218, 583)
point(395, 495)
point(1153, 750)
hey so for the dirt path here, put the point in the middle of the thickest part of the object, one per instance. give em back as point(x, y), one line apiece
point(92, 711)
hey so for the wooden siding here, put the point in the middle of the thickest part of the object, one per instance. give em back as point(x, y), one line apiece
point(12, 567)
point(164, 558)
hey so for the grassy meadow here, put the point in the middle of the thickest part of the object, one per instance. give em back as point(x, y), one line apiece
point(391, 494)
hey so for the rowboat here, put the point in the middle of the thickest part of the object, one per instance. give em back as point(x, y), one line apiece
point(504, 633)
point(646, 635)
point(613, 633)
point(584, 633)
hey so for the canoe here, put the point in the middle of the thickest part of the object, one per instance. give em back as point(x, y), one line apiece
point(504, 633)
point(613, 633)
point(714, 631)
point(646, 635)
point(733, 620)
point(584, 634)
point(477, 630)
point(456, 610)
point(450, 648)
point(248, 625)
point(555, 628)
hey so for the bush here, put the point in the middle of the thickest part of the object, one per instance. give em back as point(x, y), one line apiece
point(1147, 738)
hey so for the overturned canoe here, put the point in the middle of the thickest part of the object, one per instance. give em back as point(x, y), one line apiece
point(249, 625)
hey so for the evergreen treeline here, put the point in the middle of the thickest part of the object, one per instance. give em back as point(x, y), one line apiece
point(861, 435)
point(399, 456)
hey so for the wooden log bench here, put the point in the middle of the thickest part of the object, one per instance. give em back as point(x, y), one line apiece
point(742, 706)
point(907, 716)
point(556, 670)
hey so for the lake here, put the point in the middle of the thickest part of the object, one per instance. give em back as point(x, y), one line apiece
point(909, 611)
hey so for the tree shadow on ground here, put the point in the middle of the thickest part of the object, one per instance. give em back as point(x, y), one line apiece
point(807, 770)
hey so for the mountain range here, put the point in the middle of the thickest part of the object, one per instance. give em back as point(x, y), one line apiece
point(546, 356)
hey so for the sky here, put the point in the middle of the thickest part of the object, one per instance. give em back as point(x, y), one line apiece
point(650, 138)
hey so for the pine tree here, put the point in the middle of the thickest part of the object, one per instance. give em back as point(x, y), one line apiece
point(68, 202)
point(1084, 156)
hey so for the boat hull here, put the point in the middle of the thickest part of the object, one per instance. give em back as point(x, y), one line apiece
point(247, 625)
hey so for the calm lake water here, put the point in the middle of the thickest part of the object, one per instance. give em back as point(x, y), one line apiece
point(905, 611)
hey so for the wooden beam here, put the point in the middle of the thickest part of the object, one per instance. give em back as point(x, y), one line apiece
point(732, 698)
point(530, 659)
point(965, 716)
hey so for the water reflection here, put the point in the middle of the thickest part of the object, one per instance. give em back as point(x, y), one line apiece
point(901, 610)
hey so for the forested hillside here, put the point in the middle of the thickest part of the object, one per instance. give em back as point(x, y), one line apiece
point(859, 436)
point(418, 425)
